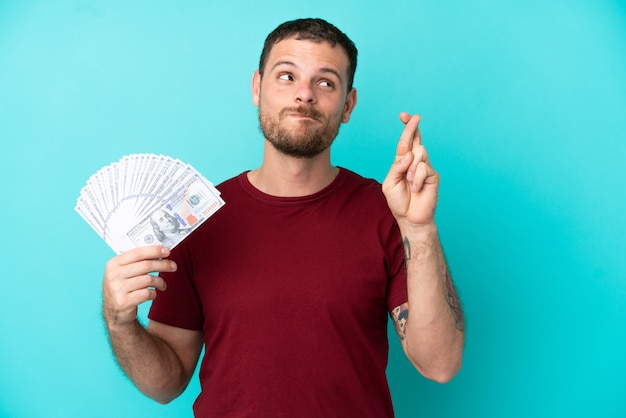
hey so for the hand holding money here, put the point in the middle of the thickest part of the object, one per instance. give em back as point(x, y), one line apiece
point(128, 282)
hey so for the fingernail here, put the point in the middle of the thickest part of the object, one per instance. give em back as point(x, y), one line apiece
point(405, 158)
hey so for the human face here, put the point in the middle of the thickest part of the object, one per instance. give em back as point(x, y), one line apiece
point(302, 96)
point(163, 221)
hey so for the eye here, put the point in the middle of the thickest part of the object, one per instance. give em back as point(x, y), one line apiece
point(285, 77)
point(326, 83)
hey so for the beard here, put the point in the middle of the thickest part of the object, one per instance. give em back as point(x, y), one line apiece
point(308, 140)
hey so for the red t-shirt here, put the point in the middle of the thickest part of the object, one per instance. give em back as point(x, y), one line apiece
point(292, 295)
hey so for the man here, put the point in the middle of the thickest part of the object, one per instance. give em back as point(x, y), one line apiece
point(289, 285)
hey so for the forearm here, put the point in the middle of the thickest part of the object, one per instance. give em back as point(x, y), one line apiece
point(435, 328)
point(148, 361)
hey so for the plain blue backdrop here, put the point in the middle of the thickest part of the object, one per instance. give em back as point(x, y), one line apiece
point(524, 116)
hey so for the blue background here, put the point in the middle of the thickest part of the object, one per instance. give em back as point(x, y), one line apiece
point(524, 116)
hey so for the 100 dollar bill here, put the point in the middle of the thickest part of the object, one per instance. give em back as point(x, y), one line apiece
point(172, 219)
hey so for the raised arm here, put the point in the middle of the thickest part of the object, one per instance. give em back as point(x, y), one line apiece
point(430, 325)
point(161, 359)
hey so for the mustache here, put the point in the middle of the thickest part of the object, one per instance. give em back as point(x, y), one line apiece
point(307, 111)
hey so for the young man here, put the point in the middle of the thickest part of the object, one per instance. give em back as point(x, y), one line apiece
point(289, 285)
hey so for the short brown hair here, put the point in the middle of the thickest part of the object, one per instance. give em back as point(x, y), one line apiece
point(317, 30)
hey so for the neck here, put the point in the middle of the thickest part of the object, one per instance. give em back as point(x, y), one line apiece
point(285, 176)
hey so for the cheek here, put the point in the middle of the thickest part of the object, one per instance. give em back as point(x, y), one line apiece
point(331, 110)
point(266, 103)
point(337, 112)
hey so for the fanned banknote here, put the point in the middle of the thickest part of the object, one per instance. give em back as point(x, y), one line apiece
point(146, 199)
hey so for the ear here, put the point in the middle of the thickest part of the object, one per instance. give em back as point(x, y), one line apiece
point(256, 87)
point(349, 107)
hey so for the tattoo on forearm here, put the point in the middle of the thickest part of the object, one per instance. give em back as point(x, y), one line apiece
point(400, 315)
point(407, 249)
point(453, 302)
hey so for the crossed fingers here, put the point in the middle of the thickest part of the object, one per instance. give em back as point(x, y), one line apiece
point(411, 142)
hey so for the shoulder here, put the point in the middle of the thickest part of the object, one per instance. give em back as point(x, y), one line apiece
point(234, 189)
point(231, 183)
point(365, 188)
point(355, 178)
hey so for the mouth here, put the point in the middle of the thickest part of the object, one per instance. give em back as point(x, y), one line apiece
point(304, 113)
point(301, 116)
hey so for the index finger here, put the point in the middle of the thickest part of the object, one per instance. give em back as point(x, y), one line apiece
point(410, 135)
point(149, 252)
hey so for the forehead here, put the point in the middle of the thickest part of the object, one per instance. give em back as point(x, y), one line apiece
point(308, 54)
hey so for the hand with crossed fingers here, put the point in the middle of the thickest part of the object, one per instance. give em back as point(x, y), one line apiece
point(411, 186)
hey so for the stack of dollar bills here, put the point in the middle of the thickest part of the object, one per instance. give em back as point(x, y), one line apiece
point(146, 199)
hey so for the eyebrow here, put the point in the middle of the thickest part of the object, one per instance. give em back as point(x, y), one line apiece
point(321, 70)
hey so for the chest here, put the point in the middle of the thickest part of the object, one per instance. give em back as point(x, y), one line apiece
point(305, 262)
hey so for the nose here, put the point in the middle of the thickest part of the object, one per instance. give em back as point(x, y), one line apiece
point(305, 94)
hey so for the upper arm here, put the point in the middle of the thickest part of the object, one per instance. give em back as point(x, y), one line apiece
point(185, 343)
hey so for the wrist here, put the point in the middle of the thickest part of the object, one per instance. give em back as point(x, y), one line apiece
point(420, 242)
point(418, 231)
point(117, 323)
